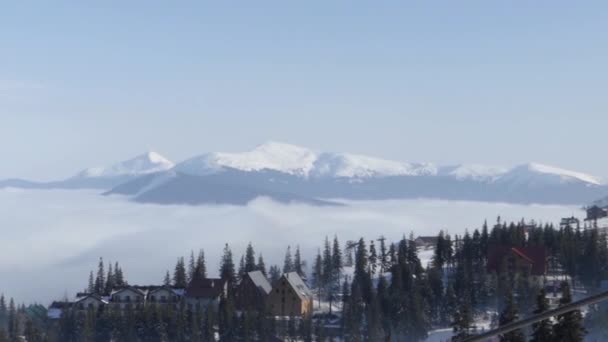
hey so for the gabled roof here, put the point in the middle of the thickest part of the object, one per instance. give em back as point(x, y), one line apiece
point(163, 288)
point(205, 288)
point(536, 256)
point(298, 285)
point(92, 296)
point(135, 289)
point(260, 281)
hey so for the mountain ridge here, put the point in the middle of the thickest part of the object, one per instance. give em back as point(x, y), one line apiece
point(293, 172)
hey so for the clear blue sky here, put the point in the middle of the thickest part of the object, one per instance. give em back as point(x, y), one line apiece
point(494, 82)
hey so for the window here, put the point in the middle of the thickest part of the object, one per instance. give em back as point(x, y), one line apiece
point(153, 299)
point(127, 299)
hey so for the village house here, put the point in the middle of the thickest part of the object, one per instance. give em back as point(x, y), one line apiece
point(90, 302)
point(252, 292)
point(128, 297)
point(519, 261)
point(164, 295)
point(203, 293)
point(290, 297)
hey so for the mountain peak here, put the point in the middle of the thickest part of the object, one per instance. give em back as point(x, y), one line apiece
point(535, 170)
point(149, 162)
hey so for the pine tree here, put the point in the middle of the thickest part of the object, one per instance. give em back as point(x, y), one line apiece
point(288, 263)
point(543, 330)
point(110, 280)
point(328, 267)
point(227, 271)
point(261, 266)
point(13, 321)
point(508, 315)
point(274, 274)
point(200, 270)
point(241, 271)
point(249, 259)
point(297, 262)
point(462, 319)
point(336, 257)
point(167, 279)
point(179, 275)
point(100, 281)
point(119, 278)
point(317, 273)
point(569, 326)
point(383, 255)
point(191, 267)
point(91, 287)
point(3, 312)
point(373, 258)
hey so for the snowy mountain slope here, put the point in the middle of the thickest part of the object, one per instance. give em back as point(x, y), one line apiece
point(281, 157)
point(358, 166)
point(474, 172)
point(147, 163)
point(535, 174)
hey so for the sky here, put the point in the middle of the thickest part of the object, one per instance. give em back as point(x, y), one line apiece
point(490, 82)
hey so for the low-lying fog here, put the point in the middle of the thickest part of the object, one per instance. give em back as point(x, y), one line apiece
point(50, 240)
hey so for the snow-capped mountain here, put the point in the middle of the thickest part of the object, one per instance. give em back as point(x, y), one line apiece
point(475, 172)
point(144, 164)
point(280, 157)
point(302, 162)
point(287, 172)
point(535, 173)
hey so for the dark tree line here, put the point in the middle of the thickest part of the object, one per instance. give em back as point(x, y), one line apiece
point(385, 292)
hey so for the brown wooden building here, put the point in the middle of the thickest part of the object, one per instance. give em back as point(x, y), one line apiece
point(290, 297)
point(252, 292)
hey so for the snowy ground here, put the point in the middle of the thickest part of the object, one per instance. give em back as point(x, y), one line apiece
point(51, 239)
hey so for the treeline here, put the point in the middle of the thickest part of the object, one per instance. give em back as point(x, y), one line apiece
point(385, 291)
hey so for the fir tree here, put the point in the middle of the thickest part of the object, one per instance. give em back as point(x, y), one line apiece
point(373, 258)
point(179, 275)
point(383, 255)
point(569, 326)
point(167, 279)
point(274, 274)
point(13, 321)
point(91, 287)
point(250, 265)
point(317, 273)
point(100, 281)
point(543, 330)
point(298, 263)
point(241, 271)
point(191, 267)
point(110, 280)
point(119, 278)
point(328, 267)
point(508, 315)
point(336, 258)
point(200, 270)
point(288, 263)
point(227, 270)
point(261, 266)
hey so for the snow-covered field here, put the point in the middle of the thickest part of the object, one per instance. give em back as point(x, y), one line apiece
point(51, 239)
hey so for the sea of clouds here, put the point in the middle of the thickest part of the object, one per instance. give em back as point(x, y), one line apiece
point(50, 240)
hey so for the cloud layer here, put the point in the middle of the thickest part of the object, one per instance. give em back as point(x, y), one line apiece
point(51, 239)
